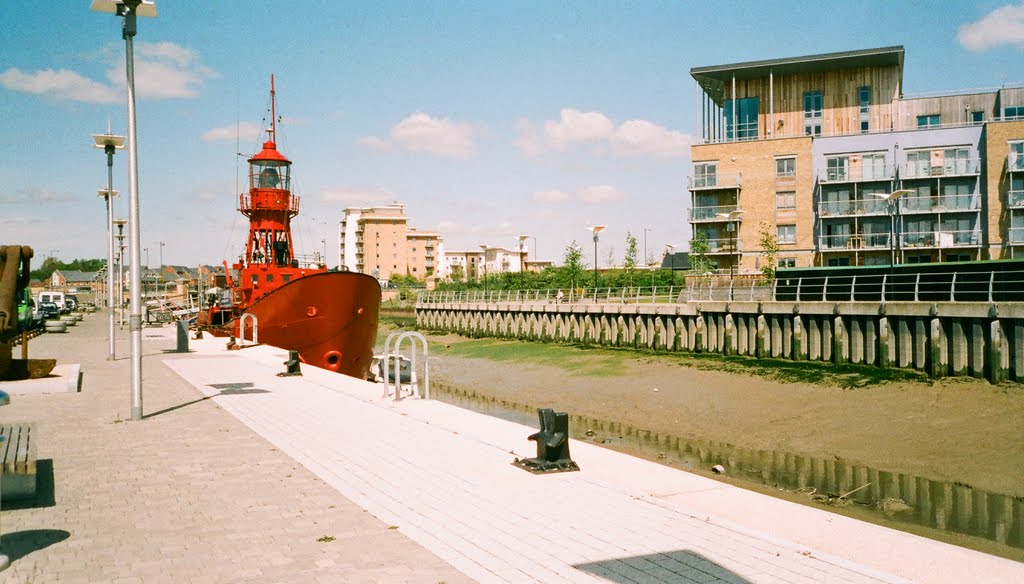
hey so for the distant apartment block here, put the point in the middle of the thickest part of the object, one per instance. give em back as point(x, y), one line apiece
point(827, 154)
point(379, 242)
point(466, 266)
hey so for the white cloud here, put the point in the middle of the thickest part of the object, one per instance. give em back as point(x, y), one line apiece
point(377, 143)
point(594, 195)
point(643, 138)
point(1002, 26)
point(357, 196)
point(600, 194)
point(61, 84)
point(240, 131)
point(575, 126)
point(162, 71)
point(631, 138)
point(421, 132)
point(551, 197)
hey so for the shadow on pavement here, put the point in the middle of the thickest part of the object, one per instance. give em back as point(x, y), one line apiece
point(675, 566)
point(225, 389)
point(44, 496)
point(18, 544)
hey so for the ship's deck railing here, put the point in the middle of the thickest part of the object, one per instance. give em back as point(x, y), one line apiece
point(880, 285)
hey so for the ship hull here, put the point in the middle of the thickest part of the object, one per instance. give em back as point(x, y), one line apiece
point(330, 318)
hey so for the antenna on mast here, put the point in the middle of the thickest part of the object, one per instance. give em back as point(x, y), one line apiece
point(273, 111)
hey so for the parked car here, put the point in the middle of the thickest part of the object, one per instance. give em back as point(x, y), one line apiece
point(49, 310)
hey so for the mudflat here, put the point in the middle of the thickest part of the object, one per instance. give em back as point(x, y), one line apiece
point(954, 430)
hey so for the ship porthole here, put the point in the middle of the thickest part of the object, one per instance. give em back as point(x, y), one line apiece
point(333, 360)
point(311, 311)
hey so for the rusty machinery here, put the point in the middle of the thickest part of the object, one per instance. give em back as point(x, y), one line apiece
point(15, 261)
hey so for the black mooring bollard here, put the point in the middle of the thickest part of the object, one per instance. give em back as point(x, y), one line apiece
point(291, 365)
point(552, 445)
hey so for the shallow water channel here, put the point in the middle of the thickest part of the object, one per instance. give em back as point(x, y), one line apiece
point(832, 482)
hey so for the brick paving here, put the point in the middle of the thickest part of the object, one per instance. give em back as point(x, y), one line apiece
point(189, 494)
point(236, 473)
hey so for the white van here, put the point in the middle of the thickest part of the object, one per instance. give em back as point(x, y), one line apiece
point(54, 297)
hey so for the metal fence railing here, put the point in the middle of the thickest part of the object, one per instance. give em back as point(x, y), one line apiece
point(880, 285)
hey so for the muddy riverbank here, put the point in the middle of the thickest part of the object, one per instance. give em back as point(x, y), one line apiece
point(957, 431)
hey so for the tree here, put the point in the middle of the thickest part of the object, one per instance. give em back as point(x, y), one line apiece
point(769, 251)
point(458, 273)
point(573, 267)
point(700, 263)
point(629, 262)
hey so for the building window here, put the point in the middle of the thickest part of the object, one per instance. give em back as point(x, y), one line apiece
point(919, 163)
point(928, 121)
point(745, 124)
point(864, 108)
point(977, 117)
point(1016, 161)
point(873, 166)
point(787, 262)
point(705, 174)
point(838, 167)
point(838, 262)
point(786, 233)
point(1014, 113)
point(785, 167)
point(785, 200)
point(812, 113)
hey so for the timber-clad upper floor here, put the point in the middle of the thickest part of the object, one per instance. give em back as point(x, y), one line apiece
point(833, 94)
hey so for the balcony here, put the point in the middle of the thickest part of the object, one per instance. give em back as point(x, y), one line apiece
point(1015, 163)
point(912, 205)
point(954, 167)
point(856, 208)
point(711, 214)
point(1015, 236)
point(722, 246)
point(940, 239)
point(714, 181)
point(854, 242)
point(866, 173)
point(1015, 199)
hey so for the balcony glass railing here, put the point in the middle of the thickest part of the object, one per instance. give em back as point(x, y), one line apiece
point(711, 213)
point(865, 173)
point(928, 204)
point(1016, 163)
point(1016, 236)
point(726, 245)
point(851, 242)
point(949, 167)
point(1015, 198)
point(942, 238)
point(866, 206)
point(714, 181)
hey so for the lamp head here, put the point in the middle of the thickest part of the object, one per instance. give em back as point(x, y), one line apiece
point(104, 192)
point(123, 7)
point(108, 140)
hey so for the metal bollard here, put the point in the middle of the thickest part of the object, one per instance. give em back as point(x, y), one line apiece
point(182, 336)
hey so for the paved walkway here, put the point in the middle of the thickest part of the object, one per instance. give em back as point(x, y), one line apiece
point(235, 475)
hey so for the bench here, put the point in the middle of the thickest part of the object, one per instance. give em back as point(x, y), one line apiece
point(18, 460)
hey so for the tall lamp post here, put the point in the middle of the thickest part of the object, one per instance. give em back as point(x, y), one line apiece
point(120, 223)
point(670, 251)
point(128, 10)
point(647, 263)
point(109, 143)
point(893, 210)
point(522, 260)
point(732, 217)
point(595, 230)
point(483, 261)
point(161, 256)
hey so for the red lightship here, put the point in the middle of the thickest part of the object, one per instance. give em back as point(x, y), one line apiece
point(329, 317)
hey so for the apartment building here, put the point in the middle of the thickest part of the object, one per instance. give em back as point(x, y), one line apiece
point(378, 241)
point(487, 261)
point(827, 154)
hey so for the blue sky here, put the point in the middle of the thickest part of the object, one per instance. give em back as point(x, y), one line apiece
point(487, 119)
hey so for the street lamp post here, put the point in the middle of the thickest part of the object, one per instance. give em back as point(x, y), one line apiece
point(109, 143)
point(893, 209)
point(522, 260)
point(595, 230)
point(647, 263)
point(483, 261)
point(128, 10)
point(161, 256)
point(120, 223)
point(732, 217)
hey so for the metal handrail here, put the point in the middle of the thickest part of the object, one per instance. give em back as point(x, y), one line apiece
point(981, 286)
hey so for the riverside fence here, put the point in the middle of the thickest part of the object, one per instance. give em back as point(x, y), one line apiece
point(969, 326)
